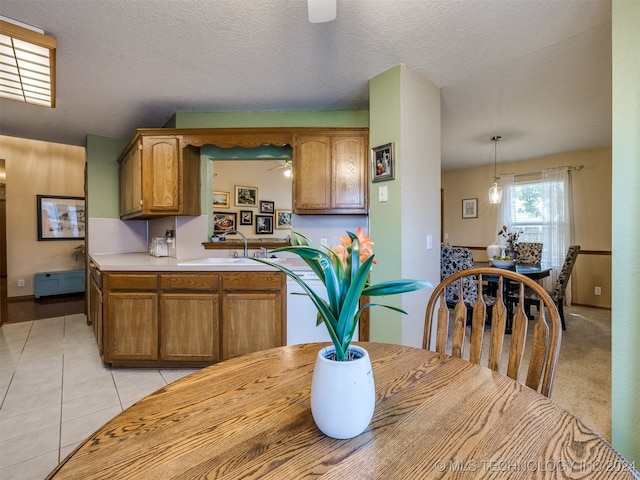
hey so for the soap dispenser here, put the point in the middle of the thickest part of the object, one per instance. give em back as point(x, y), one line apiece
point(171, 243)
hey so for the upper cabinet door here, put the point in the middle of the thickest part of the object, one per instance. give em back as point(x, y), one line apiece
point(161, 174)
point(330, 174)
point(350, 174)
point(159, 178)
point(312, 174)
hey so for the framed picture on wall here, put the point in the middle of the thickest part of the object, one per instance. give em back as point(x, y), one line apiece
point(470, 208)
point(264, 224)
point(283, 218)
point(246, 217)
point(223, 222)
point(382, 163)
point(266, 207)
point(246, 196)
point(220, 199)
point(60, 218)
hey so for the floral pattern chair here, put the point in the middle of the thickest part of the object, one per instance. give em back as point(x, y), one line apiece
point(452, 260)
point(529, 253)
point(560, 286)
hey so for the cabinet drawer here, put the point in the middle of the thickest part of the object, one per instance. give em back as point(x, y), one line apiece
point(127, 281)
point(199, 282)
point(252, 281)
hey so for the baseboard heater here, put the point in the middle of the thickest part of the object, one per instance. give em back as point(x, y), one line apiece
point(59, 283)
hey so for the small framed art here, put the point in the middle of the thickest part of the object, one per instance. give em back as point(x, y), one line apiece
point(283, 218)
point(220, 199)
point(264, 224)
point(266, 207)
point(223, 222)
point(246, 196)
point(246, 217)
point(470, 208)
point(382, 163)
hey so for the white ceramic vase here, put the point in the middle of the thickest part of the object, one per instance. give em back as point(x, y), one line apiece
point(343, 394)
point(493, 250)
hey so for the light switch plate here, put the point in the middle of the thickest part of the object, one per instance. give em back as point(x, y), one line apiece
point(382, 194)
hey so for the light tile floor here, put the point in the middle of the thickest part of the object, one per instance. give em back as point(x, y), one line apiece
point(55, 392)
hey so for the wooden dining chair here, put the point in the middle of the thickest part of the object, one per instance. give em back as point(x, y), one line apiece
point(447, 331)
point(558, 292)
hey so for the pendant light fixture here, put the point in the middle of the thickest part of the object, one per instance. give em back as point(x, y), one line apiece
point(495, 192)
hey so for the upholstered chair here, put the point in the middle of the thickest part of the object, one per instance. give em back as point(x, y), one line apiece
point(529, 253)
point(559, 289)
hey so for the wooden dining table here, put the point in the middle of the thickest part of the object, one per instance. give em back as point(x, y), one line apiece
point(435, 417)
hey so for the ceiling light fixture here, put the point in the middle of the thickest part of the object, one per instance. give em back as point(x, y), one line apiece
point(495, 192)
point(321, 11)
point(27, 64)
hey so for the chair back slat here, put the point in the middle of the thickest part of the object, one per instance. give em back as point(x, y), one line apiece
point(443, 324)
point(477, 326)
point(539, 348)
point(451, 331)
point(459, 324)
point(498, 327)
point(518, 337)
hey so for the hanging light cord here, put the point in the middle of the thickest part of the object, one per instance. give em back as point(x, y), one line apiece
point(495, 156)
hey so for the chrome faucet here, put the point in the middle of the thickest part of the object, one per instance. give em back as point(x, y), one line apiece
point(264, 253)
point(244, 239)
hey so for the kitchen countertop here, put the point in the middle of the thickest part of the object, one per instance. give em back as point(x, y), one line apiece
point(143, 262)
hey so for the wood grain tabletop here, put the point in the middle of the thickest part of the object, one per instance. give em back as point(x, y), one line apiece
point(436, 417)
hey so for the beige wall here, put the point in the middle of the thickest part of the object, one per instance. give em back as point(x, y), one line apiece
point(591, 209)
point(37, 168)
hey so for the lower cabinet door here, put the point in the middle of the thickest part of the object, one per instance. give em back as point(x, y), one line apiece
point(190, 327)
point(133, 326)
point(250, 322)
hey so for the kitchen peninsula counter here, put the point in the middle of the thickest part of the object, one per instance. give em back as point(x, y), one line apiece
point(143, 262)
point(156, 311)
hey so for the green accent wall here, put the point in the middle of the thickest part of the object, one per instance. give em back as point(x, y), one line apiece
point(384, 218)
point(625, 311)
point(102, 176)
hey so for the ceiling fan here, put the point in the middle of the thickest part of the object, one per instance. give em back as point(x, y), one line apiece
point(286, 165)
point(321, 11)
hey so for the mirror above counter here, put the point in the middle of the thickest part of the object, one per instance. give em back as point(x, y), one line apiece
point(250, 190)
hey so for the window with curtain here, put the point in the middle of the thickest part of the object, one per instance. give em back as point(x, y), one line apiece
point(541, 209)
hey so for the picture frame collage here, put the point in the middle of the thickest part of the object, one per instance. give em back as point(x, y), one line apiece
point(265, 219)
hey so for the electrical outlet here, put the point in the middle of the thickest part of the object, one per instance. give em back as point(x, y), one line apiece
point(598, 291)
point(429, 242)
point(323, 241)
point(21, 282)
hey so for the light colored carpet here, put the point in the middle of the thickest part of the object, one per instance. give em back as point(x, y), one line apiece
point(582, 385)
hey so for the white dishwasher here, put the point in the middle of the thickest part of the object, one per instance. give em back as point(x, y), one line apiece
point(302, 313)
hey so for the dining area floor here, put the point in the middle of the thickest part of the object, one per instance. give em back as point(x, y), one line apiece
point(55, 391)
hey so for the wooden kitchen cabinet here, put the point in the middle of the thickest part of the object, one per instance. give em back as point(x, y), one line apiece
point(130, 317)
point(252, 312)
point(188, 318)
point(330, 173)
point(190, 327)
point(132, 327)
point(95, 310)
point(159, 178)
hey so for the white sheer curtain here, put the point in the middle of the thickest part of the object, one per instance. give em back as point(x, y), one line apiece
point(557, 228)
point(557, 231)
point(507, 206)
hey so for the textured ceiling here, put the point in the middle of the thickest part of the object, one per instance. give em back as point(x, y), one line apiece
point(536, 72)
